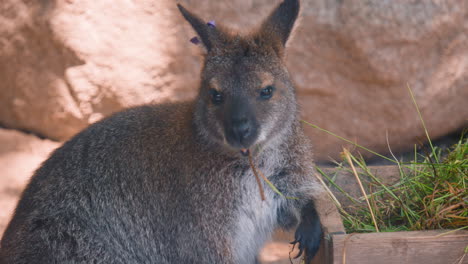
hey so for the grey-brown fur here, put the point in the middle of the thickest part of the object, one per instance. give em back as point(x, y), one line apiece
point(167, 183)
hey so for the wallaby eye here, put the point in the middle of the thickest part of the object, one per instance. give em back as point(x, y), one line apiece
point(216, 97)
point(267, 92)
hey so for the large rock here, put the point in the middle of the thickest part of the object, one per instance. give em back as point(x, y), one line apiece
point(64, 64)
point(20, 155)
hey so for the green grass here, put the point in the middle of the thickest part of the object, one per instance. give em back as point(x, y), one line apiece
point(428, 195)
point(431, 193)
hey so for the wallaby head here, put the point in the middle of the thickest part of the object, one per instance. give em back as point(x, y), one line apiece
point(246, 98)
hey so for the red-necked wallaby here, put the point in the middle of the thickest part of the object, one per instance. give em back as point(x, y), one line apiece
point(172, 183)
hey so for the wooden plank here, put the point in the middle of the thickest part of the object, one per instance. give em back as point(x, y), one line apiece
point(321, 256)
point(416, 247)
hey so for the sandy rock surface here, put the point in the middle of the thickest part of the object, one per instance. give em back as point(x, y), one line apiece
point(20, 155)
point(65, 64)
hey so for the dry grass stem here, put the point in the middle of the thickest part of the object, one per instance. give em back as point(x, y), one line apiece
point(330, 193)
point(260, 186)
point(347, 155)
point(462, 257)
point(345, 245)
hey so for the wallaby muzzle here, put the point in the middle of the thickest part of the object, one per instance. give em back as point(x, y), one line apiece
point(240, 124)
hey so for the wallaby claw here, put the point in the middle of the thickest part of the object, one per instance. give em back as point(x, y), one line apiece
point(308, 237)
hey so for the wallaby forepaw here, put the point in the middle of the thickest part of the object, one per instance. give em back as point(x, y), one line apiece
point(308, 237)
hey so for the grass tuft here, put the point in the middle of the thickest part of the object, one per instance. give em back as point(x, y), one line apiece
point(431, 193)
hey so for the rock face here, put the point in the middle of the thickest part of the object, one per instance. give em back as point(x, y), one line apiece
point(64, 64)
point(20, 155)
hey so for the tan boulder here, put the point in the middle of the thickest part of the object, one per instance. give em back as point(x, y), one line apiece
point(20, 155)
point(65, 64)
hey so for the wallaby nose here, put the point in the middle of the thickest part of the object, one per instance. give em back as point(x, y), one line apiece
point(240, 124)
point(241, 129)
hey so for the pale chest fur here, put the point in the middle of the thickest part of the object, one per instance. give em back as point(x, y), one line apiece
point(254, 219)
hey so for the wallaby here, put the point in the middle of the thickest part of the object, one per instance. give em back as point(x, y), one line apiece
point(172, 183)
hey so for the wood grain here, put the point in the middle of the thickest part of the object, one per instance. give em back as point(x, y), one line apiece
point(416, 247)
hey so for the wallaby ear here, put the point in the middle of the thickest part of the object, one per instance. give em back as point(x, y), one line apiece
point(279, 25)
point(208, 34)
